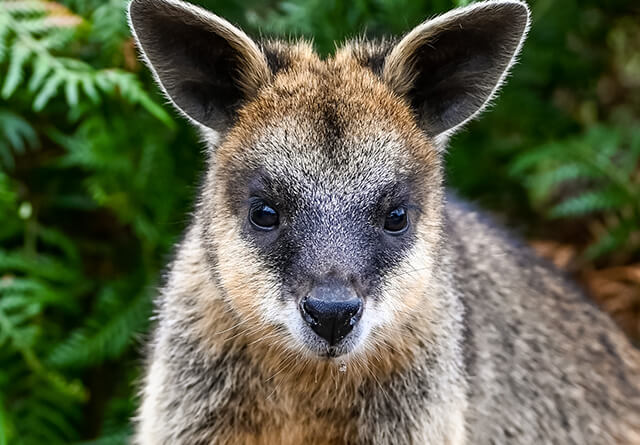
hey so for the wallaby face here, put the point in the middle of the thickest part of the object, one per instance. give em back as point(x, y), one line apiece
point(329, 289)
point(320, 213)
point(323, 208)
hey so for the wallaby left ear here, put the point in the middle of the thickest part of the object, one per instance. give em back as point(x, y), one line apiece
point(450, 67)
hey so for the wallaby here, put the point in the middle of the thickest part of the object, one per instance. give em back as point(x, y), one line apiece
point(329, 289)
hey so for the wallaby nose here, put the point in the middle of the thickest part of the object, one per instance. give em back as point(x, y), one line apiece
point(332, 310)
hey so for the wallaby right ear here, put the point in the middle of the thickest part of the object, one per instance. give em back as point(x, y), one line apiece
point(205, 65)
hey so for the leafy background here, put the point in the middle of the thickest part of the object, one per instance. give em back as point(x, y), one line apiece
point(97, 177)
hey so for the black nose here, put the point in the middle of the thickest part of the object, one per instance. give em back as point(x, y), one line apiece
point(332, 310)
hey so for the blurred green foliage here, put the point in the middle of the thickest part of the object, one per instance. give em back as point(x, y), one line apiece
point(97, 177)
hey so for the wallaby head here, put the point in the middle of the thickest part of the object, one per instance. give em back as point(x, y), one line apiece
point(322, 208)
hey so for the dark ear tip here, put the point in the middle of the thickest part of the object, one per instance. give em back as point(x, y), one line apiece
point(513, 16)
point(519, 11)
point(138, 9)
point(137, 5)
point(143, 13)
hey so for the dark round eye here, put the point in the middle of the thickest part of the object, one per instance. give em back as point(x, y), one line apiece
point(263, 216)
point(396, 221)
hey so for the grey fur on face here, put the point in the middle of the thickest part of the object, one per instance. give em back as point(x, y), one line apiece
point(329, 289)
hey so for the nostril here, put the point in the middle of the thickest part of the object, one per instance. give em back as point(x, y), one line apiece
point(329, 318)
point(308, 312)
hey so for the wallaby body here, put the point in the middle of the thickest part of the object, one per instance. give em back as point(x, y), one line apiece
point(329, 290)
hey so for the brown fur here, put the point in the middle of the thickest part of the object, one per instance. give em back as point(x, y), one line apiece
point(467, 337)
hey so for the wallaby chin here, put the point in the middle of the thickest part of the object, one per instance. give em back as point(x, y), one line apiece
point(329, 289)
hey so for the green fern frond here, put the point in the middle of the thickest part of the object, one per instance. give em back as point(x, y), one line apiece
point(600, 167)
point(16, 136)
point(107, 333)
point(41, 266)
point(588, 202)
point(542, 184)
point(22, 335)
point(33, 42)
point(39, 413)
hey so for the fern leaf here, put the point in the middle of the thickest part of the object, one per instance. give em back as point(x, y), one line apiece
point(71, 91)
point(535, 157)
point(588, 202)
point(40, 71)
point(48, 90)
point(17, 131)
point(42, 266)
point(25, 7)
point(4, 34)
point(92, 344)
point(36, 26)
point(18, 134)
point(52, 237)
point(543, 183)
point(89, 89)
point(44, 414)
point(19, 56)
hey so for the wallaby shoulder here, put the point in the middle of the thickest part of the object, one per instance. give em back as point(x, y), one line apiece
point(535, 345)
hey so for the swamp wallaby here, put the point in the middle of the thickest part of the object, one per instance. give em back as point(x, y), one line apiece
point(329, 290)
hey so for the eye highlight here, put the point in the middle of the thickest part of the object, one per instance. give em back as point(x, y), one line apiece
point(396, 221)
point(263, 217)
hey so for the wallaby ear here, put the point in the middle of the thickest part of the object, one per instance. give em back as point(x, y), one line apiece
point(205, 65)
point(450, 67)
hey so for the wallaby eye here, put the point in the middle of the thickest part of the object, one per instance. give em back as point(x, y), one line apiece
point(263, 216)
point(396, 221)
